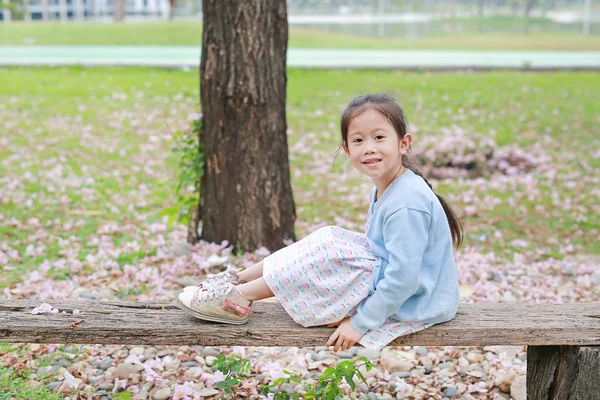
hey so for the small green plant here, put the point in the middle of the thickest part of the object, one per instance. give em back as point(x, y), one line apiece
point(232, 367)
point(328, 385)
point(279, 393)
point(188, 147)
point(124, 396)
point(14, 385)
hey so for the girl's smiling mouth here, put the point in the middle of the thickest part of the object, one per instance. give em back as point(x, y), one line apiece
point(372, 161)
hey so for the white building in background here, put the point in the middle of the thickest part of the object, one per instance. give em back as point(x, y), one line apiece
point(97, 10)
point(362, 17)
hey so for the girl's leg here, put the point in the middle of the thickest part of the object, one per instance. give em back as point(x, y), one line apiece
point(252, 273)
point(255, 290)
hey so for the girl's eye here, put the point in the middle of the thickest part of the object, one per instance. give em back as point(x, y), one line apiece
point(357, 140)
point(379, 137)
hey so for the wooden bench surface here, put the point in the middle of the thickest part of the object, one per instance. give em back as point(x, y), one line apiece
point(164, 324)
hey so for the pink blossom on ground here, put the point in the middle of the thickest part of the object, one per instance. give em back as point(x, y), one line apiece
point(70, 380)
point(185, 392)
point(202, 377)
point(150, 374)
point(274, 369)
point(218, 377)
point(133, 359)
point(403, 389)
point(239, 350)
point(121, 383)
point(476, 389)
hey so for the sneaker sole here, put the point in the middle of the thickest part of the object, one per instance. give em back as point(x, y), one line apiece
point(206, 317)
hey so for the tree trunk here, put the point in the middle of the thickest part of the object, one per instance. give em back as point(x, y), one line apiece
point(546, 6)
point(480, 8)
point(172, 6)
point(563, 373)
point(452, 14)
point(119, 10)
point(247, 194)
point(62, 7)
point(528, 7)
point(79, 12)
point(514, 8)
point(26, 12)
point(6, 11)
point(44, 7)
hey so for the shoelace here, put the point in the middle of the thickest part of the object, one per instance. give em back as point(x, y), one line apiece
point(218, 279)
point(223, 277)
point(211, 293)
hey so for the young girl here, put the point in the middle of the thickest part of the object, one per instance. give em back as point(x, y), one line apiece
point(397, 278)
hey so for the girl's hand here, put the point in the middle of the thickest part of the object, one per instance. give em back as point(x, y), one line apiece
point(345, 336)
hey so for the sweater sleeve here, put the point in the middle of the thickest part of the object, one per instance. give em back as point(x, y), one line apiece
point(406, 234)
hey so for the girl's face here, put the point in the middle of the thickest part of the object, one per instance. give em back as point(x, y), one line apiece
point(375, 149)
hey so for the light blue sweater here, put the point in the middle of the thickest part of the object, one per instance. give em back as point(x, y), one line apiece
point(415, 277)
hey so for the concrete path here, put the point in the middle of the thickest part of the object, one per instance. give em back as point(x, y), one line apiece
point(189, 57)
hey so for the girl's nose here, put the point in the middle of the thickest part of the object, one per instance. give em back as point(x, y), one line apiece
point(369, 148)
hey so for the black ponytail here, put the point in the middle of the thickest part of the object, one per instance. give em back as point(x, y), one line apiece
point(455, 225)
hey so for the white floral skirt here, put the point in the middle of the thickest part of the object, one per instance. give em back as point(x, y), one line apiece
point(323, 278)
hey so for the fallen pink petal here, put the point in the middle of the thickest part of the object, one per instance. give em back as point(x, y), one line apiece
point(44, 308)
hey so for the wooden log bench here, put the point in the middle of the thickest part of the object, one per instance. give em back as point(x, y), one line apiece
point(563, 340)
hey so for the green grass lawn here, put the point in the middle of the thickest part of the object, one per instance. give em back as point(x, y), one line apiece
point(496, 34)
point(50, 108)
point(84, 149)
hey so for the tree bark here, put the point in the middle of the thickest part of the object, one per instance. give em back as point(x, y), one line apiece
point(563, 373)
point(247, 194)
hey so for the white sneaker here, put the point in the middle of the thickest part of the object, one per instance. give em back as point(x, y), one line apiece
point(223, 303)
point(230, 275)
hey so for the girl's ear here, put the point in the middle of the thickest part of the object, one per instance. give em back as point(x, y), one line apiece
point(345, 148)
point(405, 143)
